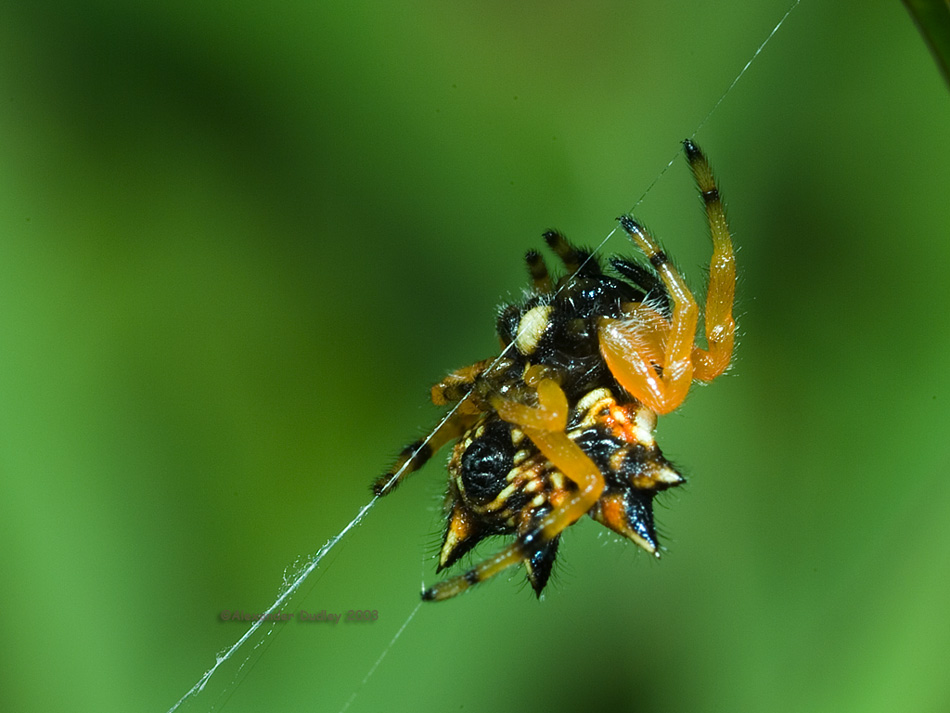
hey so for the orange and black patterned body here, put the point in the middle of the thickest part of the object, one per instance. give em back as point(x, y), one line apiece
point(501, 484)
point(560, 425)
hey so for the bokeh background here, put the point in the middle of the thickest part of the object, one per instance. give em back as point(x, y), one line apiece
point(238, 242)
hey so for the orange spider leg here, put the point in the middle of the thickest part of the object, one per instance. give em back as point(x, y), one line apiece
point(720, 325)
point(545, 426)
point(621, 341)
point(652, 331)
point(454, 387)
point(662, 386)
point(418, 453)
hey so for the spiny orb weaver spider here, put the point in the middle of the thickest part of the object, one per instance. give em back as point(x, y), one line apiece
point(561, 423)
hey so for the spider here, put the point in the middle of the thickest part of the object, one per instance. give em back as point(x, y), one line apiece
point(561, 423)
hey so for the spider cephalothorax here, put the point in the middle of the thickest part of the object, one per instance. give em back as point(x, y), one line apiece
point(561, 423)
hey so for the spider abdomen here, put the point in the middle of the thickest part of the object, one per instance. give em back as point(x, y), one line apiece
point(501, 480)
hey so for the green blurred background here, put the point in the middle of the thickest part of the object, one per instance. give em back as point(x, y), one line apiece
point(239, 241)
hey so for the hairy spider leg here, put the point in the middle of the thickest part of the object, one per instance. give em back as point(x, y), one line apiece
point(720, 296)
point(457, 385)
point(452, 389)
point(570, 256)
point(650, 329)
point(418, 453)
point(577, 260)
point(456, 388)
point(545, 426)
point(540, 277)
point(663, 385)
point(622, 341)
point(645, 280)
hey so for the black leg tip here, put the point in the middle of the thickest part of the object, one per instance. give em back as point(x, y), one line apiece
point(551, 237)
point(629, 224)
point(692, 150)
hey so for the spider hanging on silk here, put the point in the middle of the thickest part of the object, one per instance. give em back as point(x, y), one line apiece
point(561, 424)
